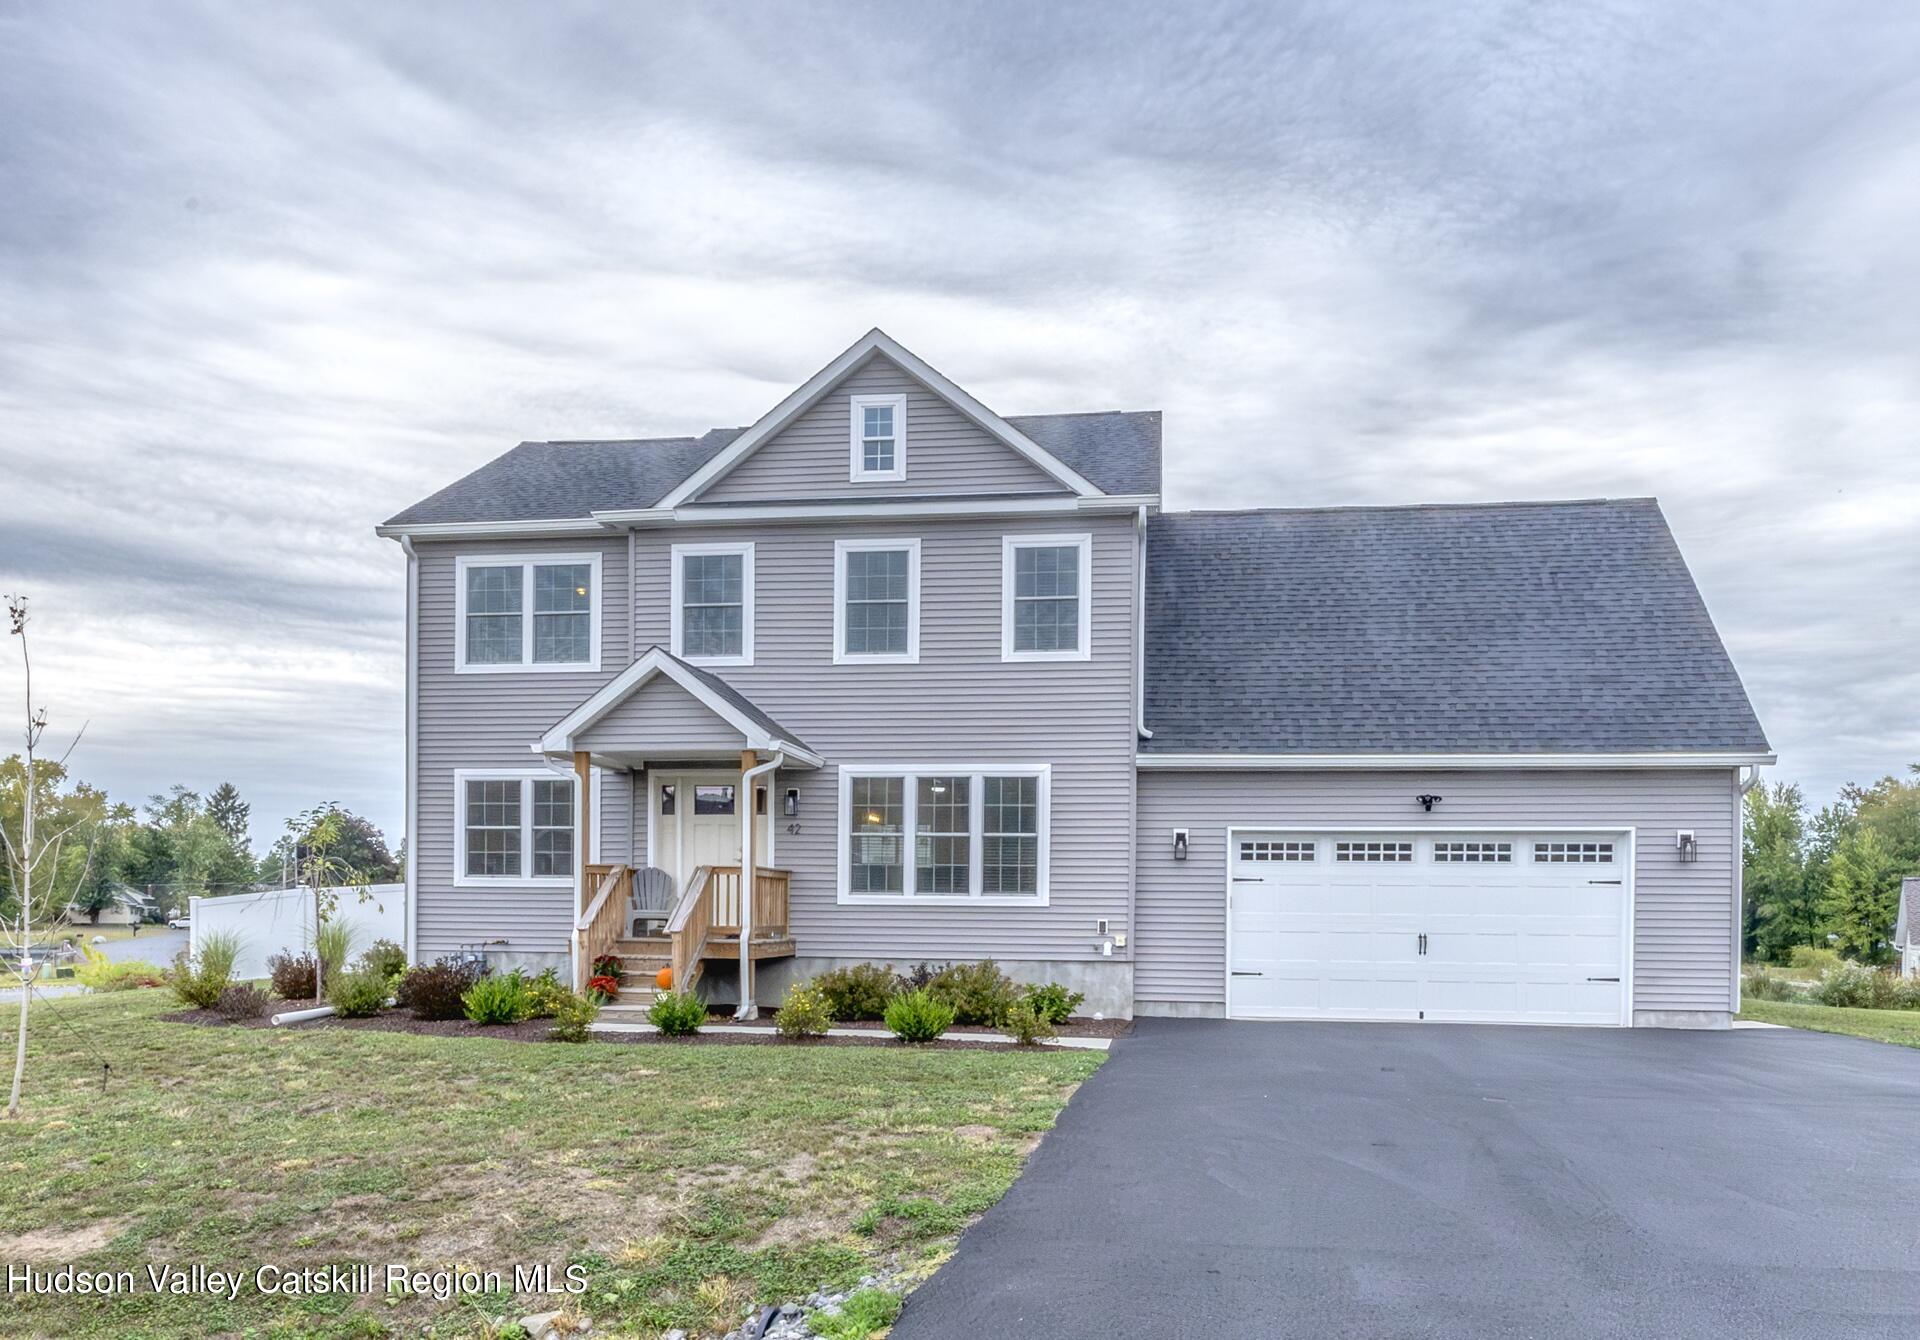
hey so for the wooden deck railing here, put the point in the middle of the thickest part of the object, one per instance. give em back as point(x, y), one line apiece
point(688, 929)
point(603, 920)
point(769, 901)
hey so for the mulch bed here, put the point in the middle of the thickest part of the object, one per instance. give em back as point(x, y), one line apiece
point(1075, 1027)
point(537, 1030)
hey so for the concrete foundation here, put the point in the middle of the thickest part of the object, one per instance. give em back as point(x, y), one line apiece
point(1107, 985)
point(1682, 1019)
point(1180, 1009)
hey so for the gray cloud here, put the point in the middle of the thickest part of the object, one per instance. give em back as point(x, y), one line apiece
point(266, 279)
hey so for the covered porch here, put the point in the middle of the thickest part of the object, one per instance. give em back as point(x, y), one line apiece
point(703, 768)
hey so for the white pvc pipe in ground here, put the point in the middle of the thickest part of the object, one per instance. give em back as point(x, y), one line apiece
point(300, 1016)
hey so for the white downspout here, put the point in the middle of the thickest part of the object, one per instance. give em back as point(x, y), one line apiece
point(748, 1009)
point(1140, 626)
point(408, 820)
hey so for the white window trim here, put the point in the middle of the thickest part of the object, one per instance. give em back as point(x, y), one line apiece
point(856, 454)
point(841, 656)
point(1008, 546)
point(526, 665)
point(976, 819)
point(745, 550)
point(526, 777)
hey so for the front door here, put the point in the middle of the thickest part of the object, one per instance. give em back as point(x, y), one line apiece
point(696, 823)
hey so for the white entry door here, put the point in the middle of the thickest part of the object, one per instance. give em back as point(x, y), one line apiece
point(1467, 927)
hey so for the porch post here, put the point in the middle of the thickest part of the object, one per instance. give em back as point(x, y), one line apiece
point(583, 848)
point(748, 762)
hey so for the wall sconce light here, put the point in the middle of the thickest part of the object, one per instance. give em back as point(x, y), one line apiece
point(1688, 847)
point(1428, 802)
point(1179, 844)
point(790, 805)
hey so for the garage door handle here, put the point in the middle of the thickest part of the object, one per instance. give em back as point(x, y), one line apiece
point(1423, 942)
point(1603, 979)
point(1249, 974)
point(1603, 881)
point(1246, 879)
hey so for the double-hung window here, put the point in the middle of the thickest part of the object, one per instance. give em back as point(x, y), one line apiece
point(1046, 610)
point(948, 833)
point(539, 612)
point(514, 827)
point(876, 600)
point(877, 447)
point(713, 603)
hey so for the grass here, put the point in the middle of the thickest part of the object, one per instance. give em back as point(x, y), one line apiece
point(685, 1182)
point(1901, 1027)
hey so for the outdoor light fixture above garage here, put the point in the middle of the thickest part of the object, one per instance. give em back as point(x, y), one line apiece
point(1179, 844)
point(1427, 802)
point(1689, 848)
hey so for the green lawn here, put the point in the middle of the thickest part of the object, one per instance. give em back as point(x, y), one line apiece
point(1896, 1026)
point(687, 1180)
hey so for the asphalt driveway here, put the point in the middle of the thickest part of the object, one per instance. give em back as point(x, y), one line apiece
point(1441, 1180)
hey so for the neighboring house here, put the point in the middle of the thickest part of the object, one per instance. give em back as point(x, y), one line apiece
point(1906, 928)
point(936, 684)
point(129, 908)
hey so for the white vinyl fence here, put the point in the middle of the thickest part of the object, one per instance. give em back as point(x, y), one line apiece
point(281, 922)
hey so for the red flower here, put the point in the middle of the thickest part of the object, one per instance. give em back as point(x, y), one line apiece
point(603, 986)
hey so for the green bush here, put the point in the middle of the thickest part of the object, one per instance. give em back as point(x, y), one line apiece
point(499, 1000)
point(571, 1016)
point(677, 1014)
point(918, 1016)
point(199, 980)
point(331, 945)
point(1856, 986)
point(978, 993)
point(359, 994)
point(1817, 958)
point(804, 1013)
point(547, 994)
point(1027, 1024)
point(859, 992)
point(385, 958)
point(244, 1001)
point(97, 972)
point(866, 1313)
point(1054, 1002)
point(292, 976)
point(438, 990)
point(1759, 984)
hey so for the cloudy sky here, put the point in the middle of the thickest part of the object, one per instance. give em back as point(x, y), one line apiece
point(267, 276)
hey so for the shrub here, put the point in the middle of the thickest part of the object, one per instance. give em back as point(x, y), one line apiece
point(1759, 984)
point(244, 1001)
point(610, 965)
point(331, 945)
point(864, 1314)
point(859, 992)
point(603, 989)
point(571, 1016)
point(499, 1000)
point(677, 1013)
point(1856, 986)
point(546, 993)
point(804, 1013)
point(1054, 1002)
point(292, 976)
point(1026, 1023)
point(97, 972)
point(384, 957)
point(920, 976)
point(1818, 958)
point(199, 980)
point(918, 1016)
point(978, 993)
point(438, 990)
point(359, 994)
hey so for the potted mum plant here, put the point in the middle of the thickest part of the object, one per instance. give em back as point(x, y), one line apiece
point(602, 988)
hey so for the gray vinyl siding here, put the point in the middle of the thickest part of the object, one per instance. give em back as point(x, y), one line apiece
point(961, 704)
point(1685, 915)
point(947, 453)
point(661, 717)
point(488, 721)
point(613, 820)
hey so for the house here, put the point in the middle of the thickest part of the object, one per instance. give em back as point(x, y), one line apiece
point(129, 907)
point(889, 677)
point(1906, 929)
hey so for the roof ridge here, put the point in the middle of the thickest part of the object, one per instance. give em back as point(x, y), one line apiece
point(1514, 503)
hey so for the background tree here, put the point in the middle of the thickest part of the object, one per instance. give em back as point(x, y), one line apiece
point(226, 808)
point(356, 843)
point(1782, 907)
point(1858, 904)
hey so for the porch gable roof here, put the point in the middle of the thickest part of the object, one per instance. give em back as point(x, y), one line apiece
point(759, 730)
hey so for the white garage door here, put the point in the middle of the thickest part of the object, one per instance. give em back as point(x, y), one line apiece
point(1470, 927)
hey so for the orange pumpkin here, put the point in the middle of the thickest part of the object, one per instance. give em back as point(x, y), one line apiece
point(664, 979)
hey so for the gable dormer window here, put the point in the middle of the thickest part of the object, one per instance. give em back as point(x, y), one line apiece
point(878, 450)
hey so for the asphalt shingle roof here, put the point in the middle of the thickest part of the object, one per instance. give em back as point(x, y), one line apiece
point(1511, 628)
point(1118, 451)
